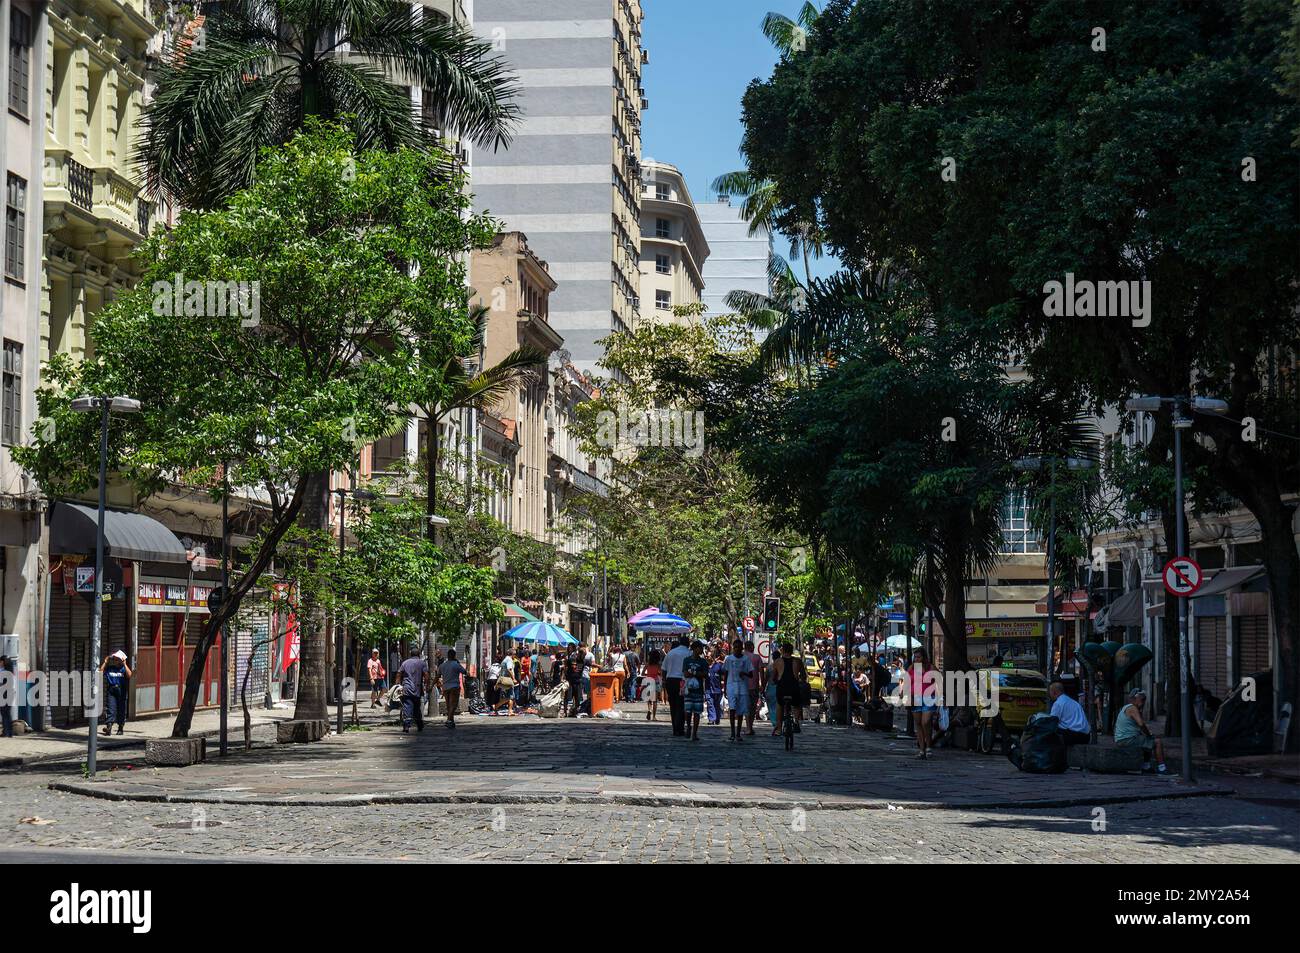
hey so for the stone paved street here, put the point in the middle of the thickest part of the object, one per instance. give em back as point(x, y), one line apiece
point(526, 759)
point(603, 791)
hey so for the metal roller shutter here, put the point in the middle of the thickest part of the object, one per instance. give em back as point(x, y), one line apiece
point(1212, 654)
point(1252, 644)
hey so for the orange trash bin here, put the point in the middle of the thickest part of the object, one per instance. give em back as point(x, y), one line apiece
point(602, 691)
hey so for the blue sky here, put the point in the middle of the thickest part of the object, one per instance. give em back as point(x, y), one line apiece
point(703, 53)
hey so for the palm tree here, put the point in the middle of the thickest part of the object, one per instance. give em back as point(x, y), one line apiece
point(759, 207)
point(458, 388)
point(249, 74)
point(791, 36)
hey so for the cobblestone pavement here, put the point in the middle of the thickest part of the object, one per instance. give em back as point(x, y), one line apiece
point(1194, 830)
point(618, 791)
point(627, 761)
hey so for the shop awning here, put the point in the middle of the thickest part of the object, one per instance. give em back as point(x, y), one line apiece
point(127, 535)
point(1068, 604)
point(516, 612)
point(1226, 579)
point(1124, 611)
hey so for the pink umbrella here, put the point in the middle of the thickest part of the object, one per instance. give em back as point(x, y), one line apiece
point(642, 614)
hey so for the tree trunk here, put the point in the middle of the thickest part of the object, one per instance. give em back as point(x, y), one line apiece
point(229, 609)
point(954, 617)
point(1258, 485)
point(431, 479)
point(313, 674)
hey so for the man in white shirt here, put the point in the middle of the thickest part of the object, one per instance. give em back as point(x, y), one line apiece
point(672, 669)
point(1072, 722)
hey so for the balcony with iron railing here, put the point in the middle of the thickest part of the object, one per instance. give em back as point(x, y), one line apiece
point(99, 195)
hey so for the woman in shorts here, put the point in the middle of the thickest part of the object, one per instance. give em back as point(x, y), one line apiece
point(651, 684)
point(921, 696)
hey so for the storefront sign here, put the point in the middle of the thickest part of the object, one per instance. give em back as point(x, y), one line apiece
point(1004, 629)
point(168, 595)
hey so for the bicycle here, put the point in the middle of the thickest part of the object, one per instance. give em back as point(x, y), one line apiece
point(787, 721)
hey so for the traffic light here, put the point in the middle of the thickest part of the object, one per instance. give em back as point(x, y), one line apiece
point(771, 614)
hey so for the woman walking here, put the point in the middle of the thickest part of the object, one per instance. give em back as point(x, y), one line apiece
point(652, 685)
point(921, 692)
point(715, 688)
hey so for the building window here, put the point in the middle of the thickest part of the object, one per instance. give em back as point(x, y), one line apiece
point(661, 192)
point(1017, 535)
point(663, 300)
point(663, 228)
point(662, 265)
point(11, 393)
point(15, 226)
point(20, 60)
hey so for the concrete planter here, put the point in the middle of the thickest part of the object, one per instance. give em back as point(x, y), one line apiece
point(301, 731)
point(1105, 759)
point(175, 752)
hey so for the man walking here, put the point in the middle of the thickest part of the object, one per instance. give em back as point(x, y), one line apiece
point(414, 673)
point(375, 669)
point(450, 674)
point(574, 665)
point(116, 672)
point(631, 669)
point(756, 685)
point(673, 684)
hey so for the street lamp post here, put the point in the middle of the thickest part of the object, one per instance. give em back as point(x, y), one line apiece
point(105, 406)
point(1179, 407)
point(1038, 463)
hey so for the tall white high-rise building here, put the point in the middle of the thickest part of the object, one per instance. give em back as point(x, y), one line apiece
point(737, 260)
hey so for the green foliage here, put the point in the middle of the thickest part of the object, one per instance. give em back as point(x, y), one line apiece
point(339, 326)
point(679, 526)
point(255, 70)
point(389, 581)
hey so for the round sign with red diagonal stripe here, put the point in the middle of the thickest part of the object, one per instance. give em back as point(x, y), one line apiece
point(1182, 576)
point(749, 623)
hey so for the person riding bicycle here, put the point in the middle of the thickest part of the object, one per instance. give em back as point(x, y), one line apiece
point(789, 674)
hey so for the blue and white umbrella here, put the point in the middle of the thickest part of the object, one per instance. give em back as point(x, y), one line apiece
point(662, 623)
point(542, 632)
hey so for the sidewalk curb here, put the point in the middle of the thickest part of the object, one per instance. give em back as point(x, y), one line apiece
point(628, 800)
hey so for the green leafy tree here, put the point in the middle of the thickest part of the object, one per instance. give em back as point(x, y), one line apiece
point(989, 149)
point(296, 385)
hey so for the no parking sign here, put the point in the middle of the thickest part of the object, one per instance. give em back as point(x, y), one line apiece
point(1182, 576)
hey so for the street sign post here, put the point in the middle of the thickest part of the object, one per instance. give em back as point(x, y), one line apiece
point(1182, 576)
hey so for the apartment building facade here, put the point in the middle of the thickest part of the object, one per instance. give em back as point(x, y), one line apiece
point(22, 144)
point(737, 260)
point(570, 179)
point(515, 285)
point(673, 247)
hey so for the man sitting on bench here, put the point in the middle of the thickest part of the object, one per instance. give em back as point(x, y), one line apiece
point(1073, 723)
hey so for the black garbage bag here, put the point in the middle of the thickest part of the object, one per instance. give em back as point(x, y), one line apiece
point(1244, 722)
point(1040, 749)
